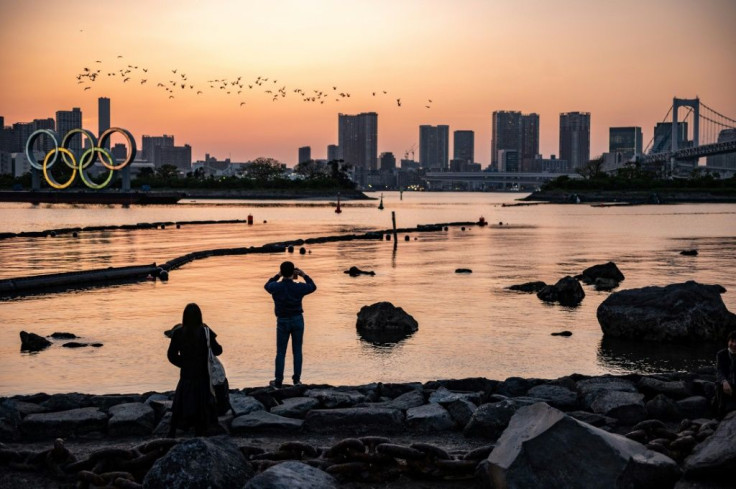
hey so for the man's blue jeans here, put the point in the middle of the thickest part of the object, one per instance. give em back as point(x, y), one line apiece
point(285, 327)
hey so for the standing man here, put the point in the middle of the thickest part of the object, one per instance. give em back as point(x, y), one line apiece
point(726, 377)
point(287, 298)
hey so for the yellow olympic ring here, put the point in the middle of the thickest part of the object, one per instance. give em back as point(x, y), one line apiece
point(47, 174)
point(87, 158)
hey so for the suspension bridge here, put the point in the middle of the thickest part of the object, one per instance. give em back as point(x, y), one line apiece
point(712, 134)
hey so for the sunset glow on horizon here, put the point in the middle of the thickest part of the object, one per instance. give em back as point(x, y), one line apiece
point(448, 62)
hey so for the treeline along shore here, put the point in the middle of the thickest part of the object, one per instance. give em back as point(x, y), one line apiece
point(626, 431)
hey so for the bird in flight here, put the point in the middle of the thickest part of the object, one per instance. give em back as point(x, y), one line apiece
point(398, 102)
point(242, 104)
point(87, 88)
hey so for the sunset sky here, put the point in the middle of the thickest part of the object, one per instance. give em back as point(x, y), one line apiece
point(621, 60)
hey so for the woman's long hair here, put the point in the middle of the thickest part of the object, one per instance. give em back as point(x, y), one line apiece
point(191, 321)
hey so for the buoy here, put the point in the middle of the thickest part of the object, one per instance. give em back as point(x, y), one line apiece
point(178, 226)
point(290, 249)
point(250, 219)
point(406, 238)
point(380, 204)
point(482, 221)
point(302, 250)
point(337, 209)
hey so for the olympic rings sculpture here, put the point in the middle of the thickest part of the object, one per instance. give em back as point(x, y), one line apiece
point(97, 151)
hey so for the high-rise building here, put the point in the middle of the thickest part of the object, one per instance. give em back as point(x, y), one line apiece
point(463, 147)
point(663, 137)
point(388, 161)
point(529, 136)
point(103, 117)
point(625, 140)
point(67, 120)
point(150, 143)
point(434, 147)
point(333, 152)
point(727, 160)
point(508, 160)
point(358, 140)
point(512, 130)
point(178, 156)
point(575, 139)
point(305, 154)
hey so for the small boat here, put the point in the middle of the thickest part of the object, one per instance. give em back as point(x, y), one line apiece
point(337, 209)
point(380, 204)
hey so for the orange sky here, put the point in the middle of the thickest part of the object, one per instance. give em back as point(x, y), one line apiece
point(621, 60)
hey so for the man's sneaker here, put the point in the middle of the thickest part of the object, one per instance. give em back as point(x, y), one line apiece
point(297, 382)
point(275, 383)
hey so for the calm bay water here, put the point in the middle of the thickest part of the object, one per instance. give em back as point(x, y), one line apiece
point(469, 325)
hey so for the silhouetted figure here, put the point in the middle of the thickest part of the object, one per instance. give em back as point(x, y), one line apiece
point(287, 296)
point(725, 400)
point(194, 404)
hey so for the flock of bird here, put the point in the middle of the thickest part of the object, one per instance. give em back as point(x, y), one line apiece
point(178, 83)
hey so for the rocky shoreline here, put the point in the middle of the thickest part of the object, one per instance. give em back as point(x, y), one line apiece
point(575, 431)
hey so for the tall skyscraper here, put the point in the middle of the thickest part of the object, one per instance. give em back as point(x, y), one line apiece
point(305, 154)
point(103, 117)
point(624, 140)
point(66, 120)
point(358, 140)
point(333, 152)
point(575, 138)
point(514, 131)
point(434, 147)
point(663, 137)
point(529, 136)
point(463, 147)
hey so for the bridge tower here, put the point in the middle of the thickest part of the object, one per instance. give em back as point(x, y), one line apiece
point(693, 103)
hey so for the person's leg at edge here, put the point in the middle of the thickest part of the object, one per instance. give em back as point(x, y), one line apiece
point(282, 342)
point(297, 338)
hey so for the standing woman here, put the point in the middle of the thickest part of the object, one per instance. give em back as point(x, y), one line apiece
point(193, 403)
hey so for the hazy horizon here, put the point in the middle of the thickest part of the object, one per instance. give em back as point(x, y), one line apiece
point(622, 61)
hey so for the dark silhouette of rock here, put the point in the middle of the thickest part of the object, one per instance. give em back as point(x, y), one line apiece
point(605, 284)
point(463, 270)
point(63, 336)
point(62, 424)
point(357, 420)
point(382, 323)
point(355, 271)
point(689, 252)
point(429, 418)
point(567, 291)
point(529, 287)
point(264, 422)
point(292, 474)
point(132, 418)
point(607, 271)
point(33, 342)
point(562, 333)
point(716, 456)
point(686, 312)
point(529, 454)
point(200, 463)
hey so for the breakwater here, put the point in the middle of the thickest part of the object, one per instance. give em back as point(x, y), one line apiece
point(648, 428)
point(36, 284)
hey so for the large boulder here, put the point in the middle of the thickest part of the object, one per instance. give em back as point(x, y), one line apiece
point(489, 420)
point(264, 422)
point(607, 271)
point(130, 418)
point(292, 474)
point(429, 418)
point(382, 322)
point(716, 456)
point(567, 291)
point(357, 420)
point(32, 342)
point(62, 424)
point(546, 449)
point(200, 463)
point(683, 312)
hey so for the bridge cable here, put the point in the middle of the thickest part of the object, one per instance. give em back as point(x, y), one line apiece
point(718, 113)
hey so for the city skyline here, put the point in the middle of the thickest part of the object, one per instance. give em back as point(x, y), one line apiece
point(611, 60)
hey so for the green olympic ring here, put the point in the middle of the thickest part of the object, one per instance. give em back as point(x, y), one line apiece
point(85, 161)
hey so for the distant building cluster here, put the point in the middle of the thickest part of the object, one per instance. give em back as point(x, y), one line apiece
point(514, 148)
